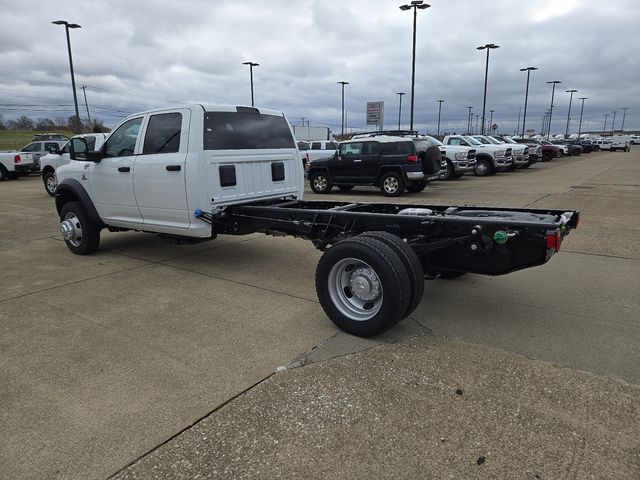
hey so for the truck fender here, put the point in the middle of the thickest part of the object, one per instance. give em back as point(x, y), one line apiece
point(486, 156)
point(71, 190)
point(313, 170)
point(388, 168)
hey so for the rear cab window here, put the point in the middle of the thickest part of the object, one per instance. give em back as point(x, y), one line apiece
point(163, 134)
point(246, 131)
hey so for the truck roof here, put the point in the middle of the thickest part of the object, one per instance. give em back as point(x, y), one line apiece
point(210, 107)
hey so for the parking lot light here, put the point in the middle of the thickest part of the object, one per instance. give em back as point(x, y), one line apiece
point(400, 94)
point(487, 47)
point(581, 110)
point(251, 65)
point(342, 128)
point(566, 133)
point(469, 117)
point(415, 4)
point(624, 114)
point(439, 113)
point(67, 26)
point(613, 122)
point(553, 90)
point(526, 96)
point(604, 129)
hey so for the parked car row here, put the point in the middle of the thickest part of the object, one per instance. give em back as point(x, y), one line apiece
point(396, 161)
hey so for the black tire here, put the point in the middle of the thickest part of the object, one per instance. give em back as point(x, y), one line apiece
point(345, 188)
point(85, 235)
point(411, 264)
point(547, 156)
point(391, 184)
point(353, 313)
point(416, 187)
point(320, 182)
point(4, 175)
point(482, 168)
point(448, 172)
point(50, 183)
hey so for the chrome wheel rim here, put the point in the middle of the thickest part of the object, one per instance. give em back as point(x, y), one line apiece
point(320, 182)
point(51, 184)
point(390, 184)
point(355, 289)
point(71, 229)
point(481, 168)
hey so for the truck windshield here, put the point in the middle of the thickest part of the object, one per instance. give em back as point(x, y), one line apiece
point(472, 141)
point(245, 131)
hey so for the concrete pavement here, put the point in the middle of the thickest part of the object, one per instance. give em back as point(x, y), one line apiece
point(104, 358)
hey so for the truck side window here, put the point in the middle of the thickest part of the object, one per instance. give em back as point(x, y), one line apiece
point(371, 148)
point(316, 146)
point(51, 147)
point(454, 141)
point(347, 149)
point(32, 147)
point(122, 142)
point(163, 134)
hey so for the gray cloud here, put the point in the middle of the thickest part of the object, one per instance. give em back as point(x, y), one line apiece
point(158, 52)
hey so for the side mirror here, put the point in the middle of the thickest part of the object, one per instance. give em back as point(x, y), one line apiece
point(78, 150)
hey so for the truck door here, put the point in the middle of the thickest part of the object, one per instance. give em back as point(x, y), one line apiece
point(159, 172)
point(111, 180)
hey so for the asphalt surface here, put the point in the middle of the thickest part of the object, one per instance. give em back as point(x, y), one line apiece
point(150, 360)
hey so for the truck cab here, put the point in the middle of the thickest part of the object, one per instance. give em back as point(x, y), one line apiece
point(156, 168)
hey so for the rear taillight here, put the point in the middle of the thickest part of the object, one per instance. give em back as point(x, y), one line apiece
point(412, 158)
point(17, 159)
point(554, 239)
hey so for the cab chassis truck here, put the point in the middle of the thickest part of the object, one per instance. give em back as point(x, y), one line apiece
point(376, 255)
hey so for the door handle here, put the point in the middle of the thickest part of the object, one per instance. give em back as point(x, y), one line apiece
point(124, 169)
point(357, 160)
point(173, 168)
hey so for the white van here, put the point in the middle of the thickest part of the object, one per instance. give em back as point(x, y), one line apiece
point(620, 142)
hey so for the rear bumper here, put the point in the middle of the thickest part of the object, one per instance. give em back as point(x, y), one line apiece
point(25, 167)
point(414, 176)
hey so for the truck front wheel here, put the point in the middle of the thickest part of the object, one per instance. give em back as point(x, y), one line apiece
point(320, 182)
point(50, 183)
point(363, 286)
point(4, 174)
point(482, 168)
point(81, 235)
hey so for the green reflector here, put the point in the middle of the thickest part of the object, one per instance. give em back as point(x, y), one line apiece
point(500, 237)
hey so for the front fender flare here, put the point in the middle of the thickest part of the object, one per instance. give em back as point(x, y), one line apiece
point(71, 190)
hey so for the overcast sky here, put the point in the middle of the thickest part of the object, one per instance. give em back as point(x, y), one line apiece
point(140, 54)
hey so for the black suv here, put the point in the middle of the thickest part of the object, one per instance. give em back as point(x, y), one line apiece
point(390, 163)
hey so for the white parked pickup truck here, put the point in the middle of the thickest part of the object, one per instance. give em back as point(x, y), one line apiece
point(490, 158)
point(195, 172)
point(13, 164)
point(50, 162)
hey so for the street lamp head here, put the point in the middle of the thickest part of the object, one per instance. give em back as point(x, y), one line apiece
point(417, 2)
point(488, 45)
point(583, 98)
point(253, 64)
point(400, 93)
point(571, 91)
point(59, 22)
point(405, 7)
point(554, 81)
point(528, 68)
point(74, 25)
point(440, 101)
point(422, 6)
point(343, 83)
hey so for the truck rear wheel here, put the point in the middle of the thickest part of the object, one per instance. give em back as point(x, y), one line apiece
point(391, 184)
point(409, 260)
point(4, 175)
point(448, 173)
point(81, 235)
point(362, 286)
point(320, 182)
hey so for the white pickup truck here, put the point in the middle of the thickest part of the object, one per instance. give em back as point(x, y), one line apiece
point(490, 158)
point(50, 162)
point(13, 164)
point(195, 172)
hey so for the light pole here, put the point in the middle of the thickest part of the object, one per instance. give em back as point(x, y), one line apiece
point(400, 94)
point(581, 110)
point(526, 96)
point(251, 65)
point(566, 133)
point(553, 90)
point(67, 26)
point(475, 130)
point(469, 117)
point(415, 4)
point(84, 92)
point(604, 130)
point(624, 114)
point(487, 47)
point(518, 126)
point(439, 113)
point(491, 120)
point(613, 123)
point(342, 128)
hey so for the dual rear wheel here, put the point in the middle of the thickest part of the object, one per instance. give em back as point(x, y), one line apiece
point(367, 284)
